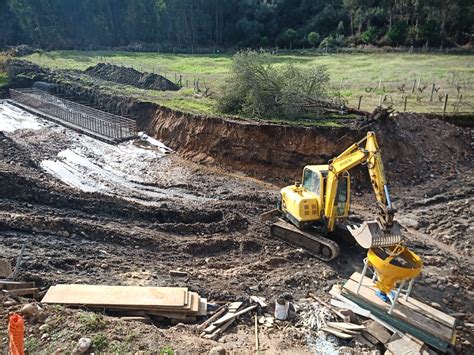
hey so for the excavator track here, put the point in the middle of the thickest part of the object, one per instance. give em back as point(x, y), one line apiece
point(318, 246)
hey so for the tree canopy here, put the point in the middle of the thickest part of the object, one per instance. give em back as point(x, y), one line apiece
point(191, 24)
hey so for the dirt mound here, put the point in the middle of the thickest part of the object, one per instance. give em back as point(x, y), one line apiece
point(130, 76)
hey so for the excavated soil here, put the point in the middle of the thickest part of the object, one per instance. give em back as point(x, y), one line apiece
point(197, 210)
point(130, 76)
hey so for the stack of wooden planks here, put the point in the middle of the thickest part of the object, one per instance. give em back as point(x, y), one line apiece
point(169, 302)
point(410, 316)
point(18, 288)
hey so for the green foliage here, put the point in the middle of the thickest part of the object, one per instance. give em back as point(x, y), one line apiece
point(258, 88)
point(99, 342)
point(397, 35)
point(288, 37)
point(332, 41)
point(167, 350)
point(170, 25)
point(91, 322)
point(369, 36)
point(31, 345)
point(430, 33)
point(3, 79)
point(313, 38)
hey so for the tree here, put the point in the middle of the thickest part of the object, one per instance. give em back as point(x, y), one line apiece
point(397, 34)
point(369, 36)
point(313, 38)
point(288, 37)
point(256, 87)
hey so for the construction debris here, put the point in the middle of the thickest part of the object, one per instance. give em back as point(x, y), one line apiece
point(168, 302)
point(215, 326)
point(19, 288)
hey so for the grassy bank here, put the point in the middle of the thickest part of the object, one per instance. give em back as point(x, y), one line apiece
point(391, 77)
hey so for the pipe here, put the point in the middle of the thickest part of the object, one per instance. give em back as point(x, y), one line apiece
point(387, 196)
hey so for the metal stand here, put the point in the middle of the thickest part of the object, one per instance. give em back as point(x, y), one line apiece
point(393, 300)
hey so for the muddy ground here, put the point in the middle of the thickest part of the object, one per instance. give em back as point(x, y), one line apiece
point(203, 219)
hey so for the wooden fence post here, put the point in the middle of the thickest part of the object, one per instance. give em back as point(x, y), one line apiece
point(413, 87)
point(432, 92)
point(360, 101)
point(405, 104)
point(445, 104)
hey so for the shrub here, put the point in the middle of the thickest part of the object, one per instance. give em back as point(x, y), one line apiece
point(332, 41)
point(397, 35)
point(369, 36)
point(256, 87)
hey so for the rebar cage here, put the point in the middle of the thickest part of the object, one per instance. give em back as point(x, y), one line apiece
point(94, 122)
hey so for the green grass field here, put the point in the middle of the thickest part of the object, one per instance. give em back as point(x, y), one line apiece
point(390, 76)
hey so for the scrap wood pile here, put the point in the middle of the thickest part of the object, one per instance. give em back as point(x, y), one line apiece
point(175, 303)
point(363, 318)
point(228, 314)
point(9, 286)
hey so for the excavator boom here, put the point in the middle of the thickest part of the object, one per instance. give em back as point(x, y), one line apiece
point(383, 231)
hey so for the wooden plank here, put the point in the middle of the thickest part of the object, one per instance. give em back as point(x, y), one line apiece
point(216, 315)
point(230, 316)
point(12, 285)
point(202, 311)
point(337, 333)
point(401, 324)
point(22, 292)
point(99, 295)
point(367, 292)
point(349, 326)
point(220, 330)
point(420, 307)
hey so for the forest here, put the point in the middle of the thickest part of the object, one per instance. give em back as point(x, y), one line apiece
point(193, 25)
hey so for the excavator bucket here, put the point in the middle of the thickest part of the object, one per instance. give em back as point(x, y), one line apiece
point(371, 234)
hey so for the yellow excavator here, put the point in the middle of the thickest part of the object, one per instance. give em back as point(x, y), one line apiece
point(316, 208)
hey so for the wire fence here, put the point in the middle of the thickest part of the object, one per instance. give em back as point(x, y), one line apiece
point(94, 122)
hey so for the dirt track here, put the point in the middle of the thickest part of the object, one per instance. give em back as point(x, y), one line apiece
point(203, 219)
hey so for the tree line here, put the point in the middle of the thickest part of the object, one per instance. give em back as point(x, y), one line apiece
point(192, 24)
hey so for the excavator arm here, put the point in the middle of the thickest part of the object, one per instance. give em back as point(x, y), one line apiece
point(355, 155)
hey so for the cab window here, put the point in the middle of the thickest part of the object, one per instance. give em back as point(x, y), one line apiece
point(311, 181)
point(341, 196)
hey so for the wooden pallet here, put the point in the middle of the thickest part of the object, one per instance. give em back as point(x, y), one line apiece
point(412, 316)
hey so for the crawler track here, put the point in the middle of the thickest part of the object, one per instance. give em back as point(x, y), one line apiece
point(318, 246)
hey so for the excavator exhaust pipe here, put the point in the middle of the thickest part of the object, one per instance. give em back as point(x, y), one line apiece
point(372, 234)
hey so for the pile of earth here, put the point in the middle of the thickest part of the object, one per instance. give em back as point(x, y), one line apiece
point(130, 76)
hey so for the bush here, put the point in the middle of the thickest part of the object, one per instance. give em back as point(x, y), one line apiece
point(397, 35)
point(332, 41)
point(313, 38)
point(258, 88)
point(369, 36)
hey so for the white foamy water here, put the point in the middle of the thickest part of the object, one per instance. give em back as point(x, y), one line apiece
point(13, 118)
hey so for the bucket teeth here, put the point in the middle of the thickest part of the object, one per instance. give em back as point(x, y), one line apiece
point(371, 234)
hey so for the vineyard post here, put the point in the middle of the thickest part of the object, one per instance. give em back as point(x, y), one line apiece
point(432, 92)
point(360, 101)
point(445, 104)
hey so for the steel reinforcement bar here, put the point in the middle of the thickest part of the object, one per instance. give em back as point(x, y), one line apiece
point(99, 124)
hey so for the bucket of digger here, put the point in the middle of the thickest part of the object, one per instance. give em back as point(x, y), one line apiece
point(372, 234)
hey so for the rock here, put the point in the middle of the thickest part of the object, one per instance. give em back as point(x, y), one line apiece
point(44, 328)
point(218, 350)
point(83, 345)
point(30, 310)
point(45, 336)
point(9, 303)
